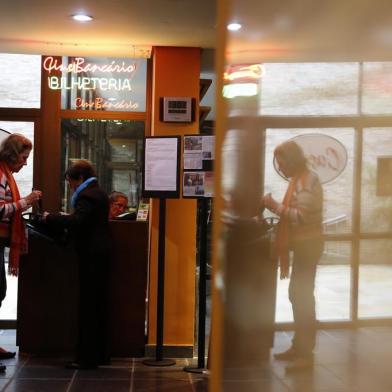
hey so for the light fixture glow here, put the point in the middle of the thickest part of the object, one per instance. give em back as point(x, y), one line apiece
point(82, 17)
point(239, 90)
point(234, 26)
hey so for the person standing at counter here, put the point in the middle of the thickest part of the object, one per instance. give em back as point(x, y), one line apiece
point(14, 152)
point(118, 204)
point(299, 231)
point(88, 223)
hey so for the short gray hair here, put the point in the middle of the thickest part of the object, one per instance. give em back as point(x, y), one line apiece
point(114, 196)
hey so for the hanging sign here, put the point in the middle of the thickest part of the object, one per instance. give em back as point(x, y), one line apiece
point(326, 155)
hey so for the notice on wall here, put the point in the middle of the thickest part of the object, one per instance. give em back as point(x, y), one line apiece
point(198, 184)
point(161, 166)
point(142, 212)
point(197, 150)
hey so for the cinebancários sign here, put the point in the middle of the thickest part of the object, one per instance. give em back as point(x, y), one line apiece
point(326, 155)
point(99, 83)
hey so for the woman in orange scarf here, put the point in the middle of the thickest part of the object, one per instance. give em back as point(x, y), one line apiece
point(14, 151)
point(299, 231)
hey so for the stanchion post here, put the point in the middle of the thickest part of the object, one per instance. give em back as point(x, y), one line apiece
point(202, 290)
point(159, 360)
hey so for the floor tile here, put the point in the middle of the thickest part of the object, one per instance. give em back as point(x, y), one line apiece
point(161, 385)
point(80, 385)
point(107, 373)
point(37, 386)
point(44, 372)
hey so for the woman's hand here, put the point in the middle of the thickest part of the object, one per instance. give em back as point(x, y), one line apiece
point(33, 197)
point(269, 202)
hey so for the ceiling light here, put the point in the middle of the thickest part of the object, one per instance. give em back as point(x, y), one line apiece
point(234, 26)
point(82, 17)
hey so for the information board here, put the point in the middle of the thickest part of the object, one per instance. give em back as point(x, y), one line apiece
point(161, 178)
point(198, 178)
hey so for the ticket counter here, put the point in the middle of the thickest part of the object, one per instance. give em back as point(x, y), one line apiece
point(48, 294)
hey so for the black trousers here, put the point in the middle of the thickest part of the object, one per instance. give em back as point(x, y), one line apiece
point(3, 278)
point(301, 294)
point(92, 346)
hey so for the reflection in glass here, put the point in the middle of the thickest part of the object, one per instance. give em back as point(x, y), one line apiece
point(304, 89)
point(337, 193)
point(376, 211)
point(375, 279)
point(115, 147)
point(376, 95)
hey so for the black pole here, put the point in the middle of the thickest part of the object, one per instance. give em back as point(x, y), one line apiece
point(202, 289)
point(159, 361)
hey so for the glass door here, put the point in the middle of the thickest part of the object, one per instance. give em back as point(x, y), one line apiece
point(333, 282)
point(24, 179)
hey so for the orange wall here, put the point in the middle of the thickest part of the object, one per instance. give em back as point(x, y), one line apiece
point(176, 73)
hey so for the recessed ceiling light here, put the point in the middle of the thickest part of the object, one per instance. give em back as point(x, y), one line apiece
point(82, 17)
point(234, 26)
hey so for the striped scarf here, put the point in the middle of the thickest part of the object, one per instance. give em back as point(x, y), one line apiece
point(18, 240)
point(282, 236)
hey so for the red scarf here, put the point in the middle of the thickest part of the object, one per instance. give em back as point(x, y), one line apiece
point(18, 240)
point(282, 235)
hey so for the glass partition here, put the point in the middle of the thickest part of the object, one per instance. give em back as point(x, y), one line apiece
point(20, 82)
point(115, 147)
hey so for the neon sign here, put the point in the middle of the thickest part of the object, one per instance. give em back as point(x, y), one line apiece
point(85, 83)
point(243, 73)
point(101, 104)
point(79, 65)
point(116, 84)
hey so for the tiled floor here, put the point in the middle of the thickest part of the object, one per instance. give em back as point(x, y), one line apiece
point(345, 361)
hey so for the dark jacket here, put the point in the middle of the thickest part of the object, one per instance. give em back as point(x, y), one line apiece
point(88, 224)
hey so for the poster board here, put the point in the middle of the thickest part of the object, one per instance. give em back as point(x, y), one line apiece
point(161, 167)
point(198, 156)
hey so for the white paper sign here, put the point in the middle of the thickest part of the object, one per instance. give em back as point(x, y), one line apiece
point(161, 164)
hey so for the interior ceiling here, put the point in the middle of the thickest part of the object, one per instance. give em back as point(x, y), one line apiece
point(272, 30)
point(121, 28)
point(309, 30)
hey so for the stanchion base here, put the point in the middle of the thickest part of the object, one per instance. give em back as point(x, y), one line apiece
point(161, 362)
point(193, 369)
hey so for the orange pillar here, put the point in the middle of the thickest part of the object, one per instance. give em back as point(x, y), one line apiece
point(176, 73)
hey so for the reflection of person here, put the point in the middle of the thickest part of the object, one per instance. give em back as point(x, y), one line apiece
point(89, 224)
point(299, 230)
point(14, 151)
point(118, 203)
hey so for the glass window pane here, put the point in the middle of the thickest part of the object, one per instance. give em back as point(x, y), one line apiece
point(20, 82)
point(375, 279)
point(100, 83)
point(24, 180)
point(376, 211)
point(337, 193)
point(377, 82)
point(332, 289)
point(333, 282)
point(115, 147)
point(309, 89)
